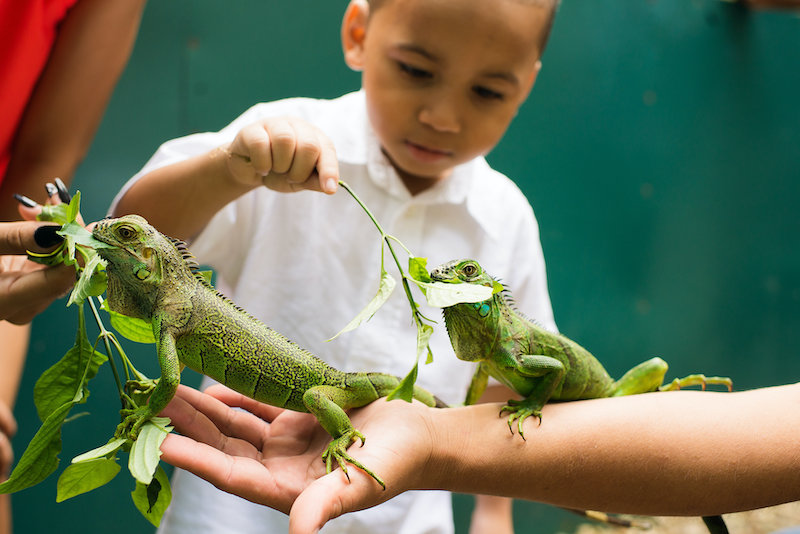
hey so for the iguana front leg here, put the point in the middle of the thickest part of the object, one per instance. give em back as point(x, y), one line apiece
point(165, 388)
point(328, 404)
point(550, 372)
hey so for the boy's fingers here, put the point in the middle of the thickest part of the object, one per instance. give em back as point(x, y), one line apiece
point(283, 142)
point(253, 142)
point(328, 166)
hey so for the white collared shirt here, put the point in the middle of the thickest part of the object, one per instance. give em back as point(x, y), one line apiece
point(306, 263)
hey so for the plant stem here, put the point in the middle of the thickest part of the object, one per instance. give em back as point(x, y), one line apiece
point(387, 239)
point(104, 333)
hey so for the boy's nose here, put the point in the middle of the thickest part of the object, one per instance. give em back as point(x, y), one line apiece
point(441, 115)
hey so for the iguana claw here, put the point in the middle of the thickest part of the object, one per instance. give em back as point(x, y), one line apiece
point(519, 411)
point(337, 450)
point(132, 423)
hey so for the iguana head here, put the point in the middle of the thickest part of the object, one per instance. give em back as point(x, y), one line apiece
point(469, 324)
point(135, 263)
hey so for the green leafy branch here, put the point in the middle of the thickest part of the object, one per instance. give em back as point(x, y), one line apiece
point(437, 294)
point(64, 385)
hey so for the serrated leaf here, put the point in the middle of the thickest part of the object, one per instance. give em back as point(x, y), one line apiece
point(101, 451)
point(62, 382)
point(405, 389)
point(146, 451)
point(85, 476)
point(443, 295)
point(132, 328)
point(152, 500)
point(385, 288)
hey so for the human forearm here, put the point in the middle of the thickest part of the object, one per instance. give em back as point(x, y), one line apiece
point(677, 453)
point(63, 113)
point(181, 198)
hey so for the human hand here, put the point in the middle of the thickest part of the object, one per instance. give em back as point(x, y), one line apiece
point(285, 154)
point(8, 427)
point(27, 288)
point(273, 457)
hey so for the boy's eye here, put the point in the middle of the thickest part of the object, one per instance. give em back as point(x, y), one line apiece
point(486, 93)
point(412, 71)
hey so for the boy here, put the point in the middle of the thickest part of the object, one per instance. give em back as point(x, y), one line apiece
point(442, 80)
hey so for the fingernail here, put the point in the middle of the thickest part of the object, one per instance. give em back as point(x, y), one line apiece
point(63, 192)
point(25, 201)
point(46, 236)
point(331, 185)
point(51, 189)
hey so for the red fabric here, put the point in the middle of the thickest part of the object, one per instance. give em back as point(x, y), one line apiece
point(28, 29)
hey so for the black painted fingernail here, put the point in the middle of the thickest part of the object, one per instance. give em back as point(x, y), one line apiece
point(25, 201)
point(63, 192)
point(51, 189)
point(46, 236)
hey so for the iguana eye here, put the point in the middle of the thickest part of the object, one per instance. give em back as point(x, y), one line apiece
point(470, 269)
point(126, 232)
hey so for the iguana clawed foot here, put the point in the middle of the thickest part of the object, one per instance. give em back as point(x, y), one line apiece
point(337, 450)
point(132, 422)
point(521, 410)
point(697, 380)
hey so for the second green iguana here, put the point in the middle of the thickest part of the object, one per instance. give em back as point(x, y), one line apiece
point(538, 364)
point(155, 278)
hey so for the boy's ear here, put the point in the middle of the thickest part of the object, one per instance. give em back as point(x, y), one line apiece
point(354, 31)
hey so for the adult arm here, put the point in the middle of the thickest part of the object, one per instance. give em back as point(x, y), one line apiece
point(675, 453)
point(90, 52)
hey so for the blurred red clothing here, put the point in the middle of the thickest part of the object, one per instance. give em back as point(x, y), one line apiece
point(28, 30)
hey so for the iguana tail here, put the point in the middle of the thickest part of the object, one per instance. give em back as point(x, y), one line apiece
point(385, 384)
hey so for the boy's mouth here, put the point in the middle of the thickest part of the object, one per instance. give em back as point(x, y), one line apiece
point(427, 154)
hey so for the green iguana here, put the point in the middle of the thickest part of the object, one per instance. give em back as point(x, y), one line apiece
point(155, 278)
point(538, 364)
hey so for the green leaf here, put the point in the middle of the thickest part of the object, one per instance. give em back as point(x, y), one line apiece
point(92, 281)
point(62, 382)
point(443, 295)
point(82, 236)
point(405, 389)
point(101, 451)
point(85, 476)
point(424, 333)
point(132, 328)
point(418, 270)
point(153, 499)
point(385, 288)
point(146, 450)
point(41, 457)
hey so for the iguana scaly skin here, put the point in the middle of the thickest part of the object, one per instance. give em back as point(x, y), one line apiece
point(153, 277)
point(538, 364)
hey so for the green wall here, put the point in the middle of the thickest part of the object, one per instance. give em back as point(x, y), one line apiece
point(659, 150)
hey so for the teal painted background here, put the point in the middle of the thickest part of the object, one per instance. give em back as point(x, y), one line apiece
point(659, 150)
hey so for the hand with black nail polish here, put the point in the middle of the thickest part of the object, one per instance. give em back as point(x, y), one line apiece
point(27, 288)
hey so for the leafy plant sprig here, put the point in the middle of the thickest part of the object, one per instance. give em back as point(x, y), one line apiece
point(437, 294)
point(64, 385)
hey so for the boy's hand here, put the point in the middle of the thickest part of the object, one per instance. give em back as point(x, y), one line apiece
point(285, 154)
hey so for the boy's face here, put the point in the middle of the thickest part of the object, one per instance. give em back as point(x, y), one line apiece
point(444, 78)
